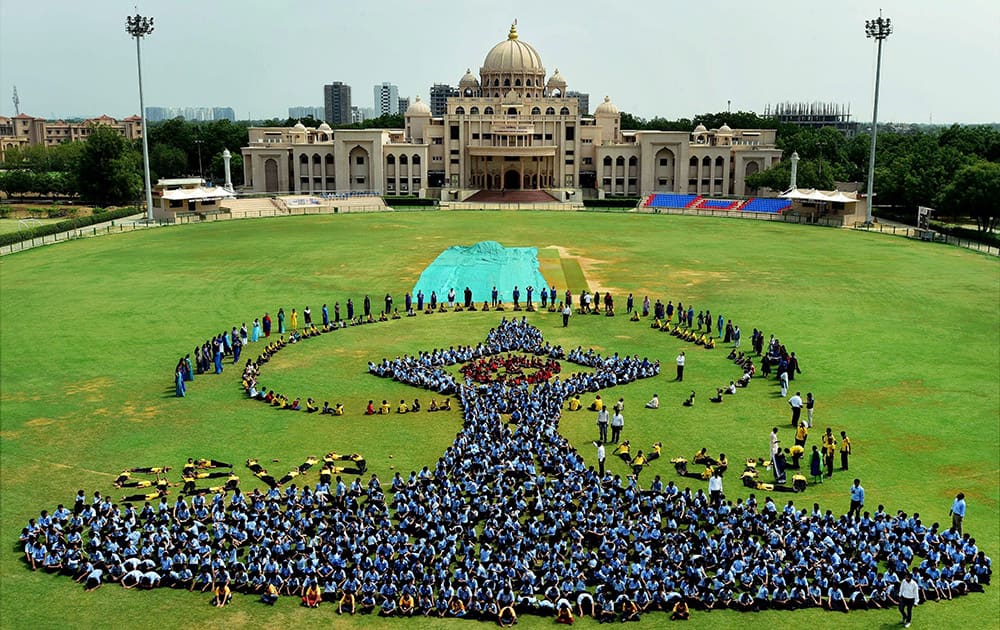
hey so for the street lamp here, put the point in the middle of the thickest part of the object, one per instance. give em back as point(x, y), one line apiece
point(879, 29)
point(201, 171)
point(138, 27)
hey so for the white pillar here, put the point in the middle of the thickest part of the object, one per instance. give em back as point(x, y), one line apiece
point(793, 181)
point(226, 156)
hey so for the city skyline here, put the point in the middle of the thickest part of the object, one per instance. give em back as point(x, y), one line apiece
point(653, 59)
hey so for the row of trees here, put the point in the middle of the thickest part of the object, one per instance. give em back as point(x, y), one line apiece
point(106, 169)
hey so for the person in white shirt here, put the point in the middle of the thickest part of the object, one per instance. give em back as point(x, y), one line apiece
point(601, 456)
point(795, 402)
point(680, 367)
point(654, 403)
point(909, 596)
point(715, 487)
point(617, 424)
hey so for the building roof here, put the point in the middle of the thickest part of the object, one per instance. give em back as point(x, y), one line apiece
point(607, 107)
point(418, 108)
point(197, 194)
point(512, 55)
point(469, 80)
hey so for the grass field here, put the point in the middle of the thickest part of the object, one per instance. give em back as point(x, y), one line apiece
point(13, 225)
point(899, 341)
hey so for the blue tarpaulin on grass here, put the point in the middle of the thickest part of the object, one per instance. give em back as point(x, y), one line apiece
point(481, 267)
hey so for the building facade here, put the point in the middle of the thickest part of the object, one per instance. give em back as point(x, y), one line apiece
point(25, 130)
point(512, 127)
point(337, 103)
point(583, 100)
point(385, 97)
point(307, 112)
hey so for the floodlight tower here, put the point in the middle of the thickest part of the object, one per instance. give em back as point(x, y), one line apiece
point(138, 27)
point(880, 28)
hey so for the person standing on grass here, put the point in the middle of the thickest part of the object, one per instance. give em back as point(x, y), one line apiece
point(795, 402)
point(857, 500)
point(566, 312)
point(829, 448)
point(958, 512)
point(601, 457)
point(816, 465)
point(810, 405)
point(617, 424)
point(602, 424)
point(783, 380)
point(680, 367)
point(845, 449)
point(909, 596)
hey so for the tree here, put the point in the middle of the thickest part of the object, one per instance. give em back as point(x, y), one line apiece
point(975, 191)
point(166, 160)
point(109, 170)
point(811, 174)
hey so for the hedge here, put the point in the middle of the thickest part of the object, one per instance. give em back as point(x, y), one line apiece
point(611, 202)
point(409, 201)
point(65, 226)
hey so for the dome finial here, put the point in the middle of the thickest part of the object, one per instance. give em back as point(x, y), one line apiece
point(513, 30)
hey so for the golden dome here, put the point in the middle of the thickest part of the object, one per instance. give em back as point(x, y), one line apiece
point(512, 55)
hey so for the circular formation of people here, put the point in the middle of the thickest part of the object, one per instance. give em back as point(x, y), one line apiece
point(510, 520)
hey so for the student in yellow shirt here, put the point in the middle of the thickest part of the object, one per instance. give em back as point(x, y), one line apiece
point(845, 449)
point(384, 409)
point(403, 407)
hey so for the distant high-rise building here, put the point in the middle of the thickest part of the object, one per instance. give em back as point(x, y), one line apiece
point(386, 99)
point(403, 104)
point(439, 98)
point(156, 114)
point(317, 113)
point(223, 113)
point(337, 103)
point(583, 98)
point(814, 115)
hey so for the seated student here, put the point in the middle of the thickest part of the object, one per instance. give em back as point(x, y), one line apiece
point(222, 595)
point(731, 389)
point(338, 409)
point(507, 617)
point(402, 407)
point(485, 307)
point(623, 452)
point(723, 464)
point(415, 407)
point(655, 452)
point(637, 463)
point(680, 465)
point(446, 405)
point(411, 313)
point(654, 402)
point(311, 406)
point(710, 344)
point(406, 605)
point(433, 406)
point(597, 405)
point(564, 613)
point(327, 409)
point(635, 316)
point(295, 406)
point(384, 409)
point(690, 400)
point(656, 324)
point(681, 611)
point(630, 612)
point(717, 398)
point(744, 380)
point(395, 314)
point(312, 597)
point(702, 457)
point(270, 594)
point(382, 317)
point(574, 403)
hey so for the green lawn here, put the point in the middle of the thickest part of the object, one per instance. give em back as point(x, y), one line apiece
point(899, 341)
point(13, 225)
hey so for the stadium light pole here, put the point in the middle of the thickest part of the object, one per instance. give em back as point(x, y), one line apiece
point(138, 27)
point(880, 28)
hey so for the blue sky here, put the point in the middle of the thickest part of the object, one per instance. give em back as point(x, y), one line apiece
point(667, 58)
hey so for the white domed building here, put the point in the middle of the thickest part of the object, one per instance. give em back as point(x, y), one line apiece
point(512, 128)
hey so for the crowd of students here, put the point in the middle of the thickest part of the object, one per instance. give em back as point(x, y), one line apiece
point(510, 520)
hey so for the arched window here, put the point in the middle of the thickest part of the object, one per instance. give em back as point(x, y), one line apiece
point(488, 111)
point(496, 82)
point(416, 159)
point(317, 159)
point(694, 161)
point(620, 161)
point(535, 111)
point(468, 92)
point(719, 162)
point(633, 161)
point(517, 82)
point(459, 111)
point(706, 162)
point(564, 111)
point(474, 111)
point(550, 111)
point(506, 82)
point(607, 160)
point(528, 83)
point(402, 160)
point(303, 159)
point(496, 95)
point(390, 159)
point(512, 111)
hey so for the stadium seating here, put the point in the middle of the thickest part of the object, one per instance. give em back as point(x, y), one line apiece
point(771, 205)
point(718, 204)
point(670, 200)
